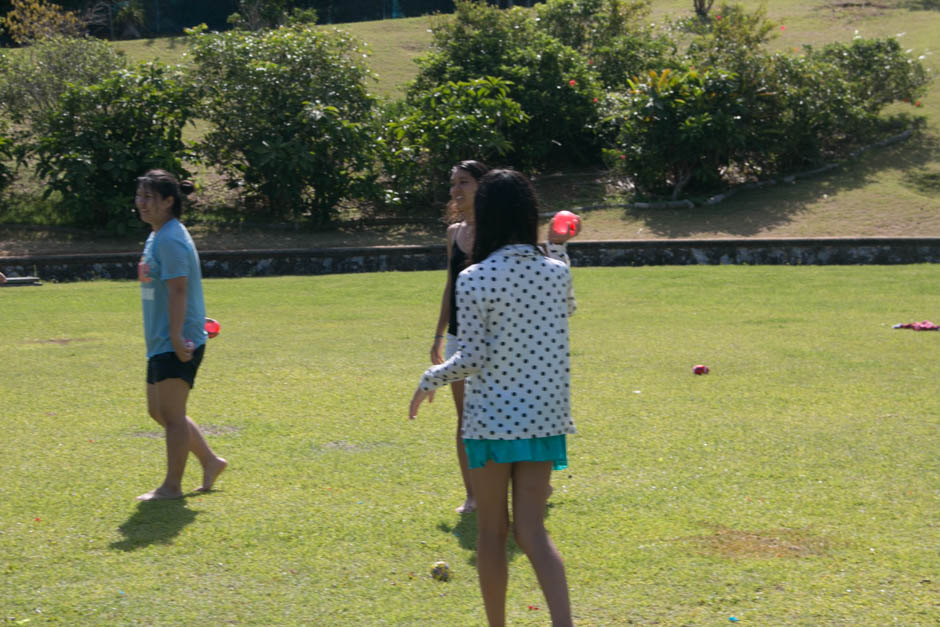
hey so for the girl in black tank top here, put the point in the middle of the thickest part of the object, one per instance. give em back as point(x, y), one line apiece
point(463, 187)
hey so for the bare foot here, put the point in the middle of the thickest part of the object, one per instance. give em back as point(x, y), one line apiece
point(160, 494)
point(210, 473)
point(469, 506)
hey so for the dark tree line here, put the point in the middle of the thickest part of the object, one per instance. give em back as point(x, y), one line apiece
point(165, 17)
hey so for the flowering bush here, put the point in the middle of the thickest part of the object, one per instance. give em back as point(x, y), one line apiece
point(878, 71)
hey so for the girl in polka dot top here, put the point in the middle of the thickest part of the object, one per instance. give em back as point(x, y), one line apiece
point(513, 306)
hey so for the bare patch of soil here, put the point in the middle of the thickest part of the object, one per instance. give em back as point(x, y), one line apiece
point(773, 543)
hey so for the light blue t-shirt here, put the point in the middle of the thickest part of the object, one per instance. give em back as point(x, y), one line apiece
point(170, 253)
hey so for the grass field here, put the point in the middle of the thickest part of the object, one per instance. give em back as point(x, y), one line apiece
point(794, 485)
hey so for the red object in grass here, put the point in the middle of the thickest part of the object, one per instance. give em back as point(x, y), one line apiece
point(572, 82)
point(700, 369)
point(212, 327)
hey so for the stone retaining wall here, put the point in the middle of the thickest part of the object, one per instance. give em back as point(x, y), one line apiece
point(817, 251)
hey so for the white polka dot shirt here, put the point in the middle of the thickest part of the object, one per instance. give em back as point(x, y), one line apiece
point(512, 313)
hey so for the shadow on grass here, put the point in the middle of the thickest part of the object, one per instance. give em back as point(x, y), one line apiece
point(154, 522)
point(752, 212)
point(466, 533)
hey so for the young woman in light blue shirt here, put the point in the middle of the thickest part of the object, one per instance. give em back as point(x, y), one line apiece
point(174, 328)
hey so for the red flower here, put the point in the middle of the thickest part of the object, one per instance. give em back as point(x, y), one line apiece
point(623, 156)
point(783, 28)
point(572, 82)
point(595, 100)
point(717, 17)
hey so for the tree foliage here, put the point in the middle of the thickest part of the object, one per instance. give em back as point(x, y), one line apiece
point(290, 115)
point(34, 78)
point(614, 36)
point(444, 125)
point(103, 136)
point(552, 82)
point(33, 20)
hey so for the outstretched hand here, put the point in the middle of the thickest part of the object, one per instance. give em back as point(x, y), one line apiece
point(416, 401)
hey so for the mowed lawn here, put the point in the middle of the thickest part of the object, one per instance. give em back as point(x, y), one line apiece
point(796, 484)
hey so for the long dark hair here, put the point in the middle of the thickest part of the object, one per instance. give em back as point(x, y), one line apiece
point(165, 184)
point(476, 169)
point(506, 211)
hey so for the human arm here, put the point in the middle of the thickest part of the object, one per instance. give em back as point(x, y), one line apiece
point(176, 296)
point(468, 359)
point(557, 248)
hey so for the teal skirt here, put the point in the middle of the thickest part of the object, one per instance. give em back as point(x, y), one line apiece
point(553, 449)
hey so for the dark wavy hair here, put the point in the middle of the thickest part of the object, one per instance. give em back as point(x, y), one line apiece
point(506, 211)
point(476, 169)
point(166, 184)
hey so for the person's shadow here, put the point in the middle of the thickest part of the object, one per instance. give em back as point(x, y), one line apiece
point(466, 533)
point(154, 522)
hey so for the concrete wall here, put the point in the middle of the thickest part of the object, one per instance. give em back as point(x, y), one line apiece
point(824, 251)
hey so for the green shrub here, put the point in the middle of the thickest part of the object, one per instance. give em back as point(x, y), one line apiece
point(730, 106)
point(34, 77)
point(6, 156)
point(732, 39)
point(442, 126)
point(552, 82)
point(878, 70)
point(677, 129)
point(290, 115)
point(614, 35)
point(101, 137)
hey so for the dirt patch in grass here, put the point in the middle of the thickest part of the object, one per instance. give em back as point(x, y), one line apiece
point(773, 543)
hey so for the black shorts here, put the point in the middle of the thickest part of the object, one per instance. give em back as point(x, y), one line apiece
point(169, 366)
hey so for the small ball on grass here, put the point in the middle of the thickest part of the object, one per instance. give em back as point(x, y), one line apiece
point(441, 571)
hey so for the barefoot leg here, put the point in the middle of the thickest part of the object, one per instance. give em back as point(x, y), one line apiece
point(167, 403)
point(212, 464)
point(469, 505)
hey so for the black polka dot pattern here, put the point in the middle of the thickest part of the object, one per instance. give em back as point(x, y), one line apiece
point(512, 311)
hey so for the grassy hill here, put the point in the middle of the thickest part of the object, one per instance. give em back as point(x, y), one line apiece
point(891, 191)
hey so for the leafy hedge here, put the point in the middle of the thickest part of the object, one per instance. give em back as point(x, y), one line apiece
point(291, 117)
point(440, 127)
point(551, 81)
point(102, 136)
point(293, 127)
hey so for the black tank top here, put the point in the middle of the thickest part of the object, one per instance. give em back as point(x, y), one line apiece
point(458, 261)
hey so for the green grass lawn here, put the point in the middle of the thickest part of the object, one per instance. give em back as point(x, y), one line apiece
point(794, 485)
